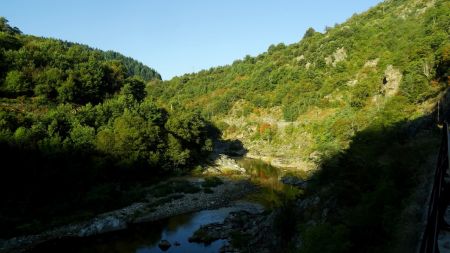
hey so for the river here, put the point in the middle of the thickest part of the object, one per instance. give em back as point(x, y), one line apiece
point(145, 237)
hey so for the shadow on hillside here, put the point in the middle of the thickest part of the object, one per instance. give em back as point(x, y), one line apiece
point(232, 148)
point(373, 194)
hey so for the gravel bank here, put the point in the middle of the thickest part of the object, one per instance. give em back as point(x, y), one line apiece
point(150, 210)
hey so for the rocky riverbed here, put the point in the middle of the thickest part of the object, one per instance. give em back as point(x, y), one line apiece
point(152, 209)
point(180, 196)
point(242, 229)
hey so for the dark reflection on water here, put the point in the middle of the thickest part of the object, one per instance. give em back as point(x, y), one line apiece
point(259, 169)
point(144, 238)
point(273, 191)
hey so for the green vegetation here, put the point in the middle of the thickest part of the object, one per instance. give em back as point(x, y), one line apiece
point(348, 106)
point(132, 66)
point(78, 135)
point(374, 191)
point(304, 101)
point(53, 71)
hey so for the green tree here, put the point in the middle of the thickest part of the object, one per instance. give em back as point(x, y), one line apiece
point(68, 91)
point(47, 83)
point(16, 83)
point(309, 33)
point(5, 27)
point(134, 88)
point(9, 42)
point(178, 156)
point(82, 137)
point(187, 126)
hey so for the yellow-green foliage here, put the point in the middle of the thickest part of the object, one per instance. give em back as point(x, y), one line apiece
point(348, 100)
point(394, 51)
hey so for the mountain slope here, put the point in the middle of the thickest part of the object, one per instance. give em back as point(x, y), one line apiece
point(299, 103)
point(355, 107)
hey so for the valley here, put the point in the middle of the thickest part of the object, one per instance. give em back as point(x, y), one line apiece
point(327, 144)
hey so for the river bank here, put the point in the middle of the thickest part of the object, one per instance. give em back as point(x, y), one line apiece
point(220, 185)
point(152, 209)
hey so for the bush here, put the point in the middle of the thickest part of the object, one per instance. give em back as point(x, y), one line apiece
point(16, 84)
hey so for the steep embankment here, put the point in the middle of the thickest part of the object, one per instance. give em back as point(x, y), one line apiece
point(298, 104)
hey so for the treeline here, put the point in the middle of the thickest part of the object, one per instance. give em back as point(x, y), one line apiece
point(55, 71)
point(78, 133)
point(133, 67)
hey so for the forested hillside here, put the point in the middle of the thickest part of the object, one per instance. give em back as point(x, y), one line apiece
point(297, 103)
point(57, 71)
point(348, 106)
point(77, 133)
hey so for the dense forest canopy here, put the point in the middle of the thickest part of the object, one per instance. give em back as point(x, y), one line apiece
point(57, 71)
point(76, 120)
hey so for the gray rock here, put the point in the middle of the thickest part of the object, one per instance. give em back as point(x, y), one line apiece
point(103, 225)
point(256, 227)
point(225, 164)
point(209, 233)
point(164, 245)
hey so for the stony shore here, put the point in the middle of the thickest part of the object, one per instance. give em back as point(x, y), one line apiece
point(151, 209)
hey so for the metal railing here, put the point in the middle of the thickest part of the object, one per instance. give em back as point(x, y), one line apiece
point(438, 202)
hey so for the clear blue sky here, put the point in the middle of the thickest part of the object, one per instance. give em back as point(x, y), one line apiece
point(179, 36)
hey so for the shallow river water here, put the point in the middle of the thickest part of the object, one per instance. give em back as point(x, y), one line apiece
point(144, 238)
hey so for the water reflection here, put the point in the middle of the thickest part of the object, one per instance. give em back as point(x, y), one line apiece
point(273, 191)
point(144, 238)
point(262, 171)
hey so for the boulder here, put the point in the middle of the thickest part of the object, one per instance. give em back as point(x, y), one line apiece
point(164, 245)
